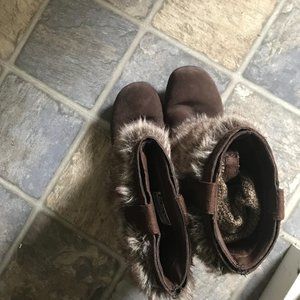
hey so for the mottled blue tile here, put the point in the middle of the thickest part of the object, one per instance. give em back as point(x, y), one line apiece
point(13, 215)
point(153, 61)
point(136, 8)
point(36, 133)
point(280, 126)
point(52, 262)
point(75, 47)
point(276, 64)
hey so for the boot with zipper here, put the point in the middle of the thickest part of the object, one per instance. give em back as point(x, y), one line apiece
point(153, 212)
point(227, 175)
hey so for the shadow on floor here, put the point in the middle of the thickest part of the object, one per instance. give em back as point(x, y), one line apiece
point(54, 262)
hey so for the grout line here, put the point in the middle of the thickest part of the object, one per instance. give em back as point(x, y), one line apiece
point(229, 89)
point(263, 33)
point(57, 96)
point(27, 33)
point(198, 55)
point(128, 54)
point(155, 8)
point(293, 202)
point(4, 72)
point(289, 238)
point(17, 191)
point(119, 12)
point(89, 238)
point(67, 158)
point(270, 96)
point(118, 71)
point(83, 112)
point(18, 241)
point(260, 90)
point(51, 92)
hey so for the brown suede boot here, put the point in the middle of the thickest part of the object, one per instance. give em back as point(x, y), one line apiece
point(153, 211)
point(227, 175)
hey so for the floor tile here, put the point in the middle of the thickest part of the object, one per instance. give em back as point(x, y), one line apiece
point(82, 194)
point(256, 282)
point(75, 48)
point(281, 128)
point(210, 285)
point(136, 8)
point(292, 224)
point(15, 17)
point(153, 61)
point(276, 64)
point(36, 133)
point(54, 263)
point(128, 290)
point(13, 215)
point(223, 30)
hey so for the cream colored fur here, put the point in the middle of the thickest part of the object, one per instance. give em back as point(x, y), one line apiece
point(137, 244)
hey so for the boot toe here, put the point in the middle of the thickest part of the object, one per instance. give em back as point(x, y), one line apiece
point(190, 92)
point(136, 100)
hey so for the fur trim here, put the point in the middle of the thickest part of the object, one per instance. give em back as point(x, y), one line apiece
point(201, 244)
point(136, 245)
point(198, 137)
point(125, 143)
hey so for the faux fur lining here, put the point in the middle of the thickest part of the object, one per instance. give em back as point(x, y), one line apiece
point(123, 159)
point(198, 137)
point(192, 143)
point(238, 207)
point(137, 245)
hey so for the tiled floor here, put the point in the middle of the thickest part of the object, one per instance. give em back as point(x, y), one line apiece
point(62, 63)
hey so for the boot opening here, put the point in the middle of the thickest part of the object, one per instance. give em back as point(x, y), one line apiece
point(246, 199)
point(172, 242)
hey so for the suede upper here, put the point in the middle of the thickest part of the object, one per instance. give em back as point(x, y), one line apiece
point(227, 175)
point(153, 212)
point(136, 100)
point(190, 92)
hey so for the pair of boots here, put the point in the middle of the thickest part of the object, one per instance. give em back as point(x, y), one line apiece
point(208, 186)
